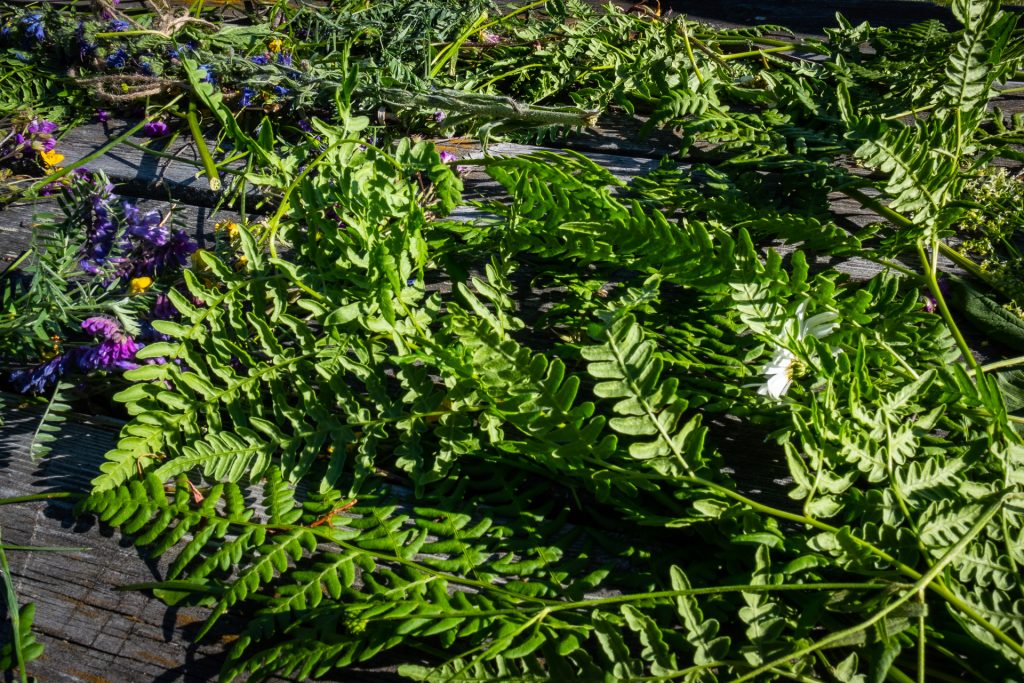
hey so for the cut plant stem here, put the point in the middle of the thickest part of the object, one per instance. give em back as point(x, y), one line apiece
point(204, 154)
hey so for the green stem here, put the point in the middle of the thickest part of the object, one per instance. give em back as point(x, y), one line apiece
point(11, 598)
point(922, 583)
point(753, 53)
point(114, 142)
point(38, 496)
point(998, 365)
point(204, 154)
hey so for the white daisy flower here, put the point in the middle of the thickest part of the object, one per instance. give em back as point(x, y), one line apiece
point(780, 369)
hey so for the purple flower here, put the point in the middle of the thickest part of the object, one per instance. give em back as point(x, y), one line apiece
point(260, 59)
point(247, 95)
point(163, 309)
point(147, 226)
point(284, 59)
point(447, 157)
point(111, 354)
point(154, 129)
point(304, 126)
point(102, 115)
point(43, 126)
point(118, 25)
point(102, 326)
point(440, 116)
point(173, 54)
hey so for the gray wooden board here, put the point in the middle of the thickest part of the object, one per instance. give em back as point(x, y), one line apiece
point(92, 631)
point(17, 221)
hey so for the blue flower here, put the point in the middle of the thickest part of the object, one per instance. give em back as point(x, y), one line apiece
point(281, 90)
point(40, 378)
point(34, 26)
point(284, 59)
point(247, 95)
point(146, 68)
point(260, 59)
point(173, 54)
point(118, 25)
point(207, 73)
point(117, 59)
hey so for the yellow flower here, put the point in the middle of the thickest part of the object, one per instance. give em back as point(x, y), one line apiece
point(230, 227)
point(51, 157)
point(275, 45)
point(138, 285)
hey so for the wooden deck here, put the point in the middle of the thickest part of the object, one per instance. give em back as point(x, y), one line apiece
point(96, 633)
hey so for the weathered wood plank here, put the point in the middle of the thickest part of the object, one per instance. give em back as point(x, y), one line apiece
point(17, 221)
point(92, 631)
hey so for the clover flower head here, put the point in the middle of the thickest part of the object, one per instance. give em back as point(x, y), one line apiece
point(439, 116)
point(784, 363)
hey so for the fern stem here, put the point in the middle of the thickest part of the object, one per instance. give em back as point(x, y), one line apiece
point(689, 53)
point(930, 272)
point(940, 301)
point(926, 579)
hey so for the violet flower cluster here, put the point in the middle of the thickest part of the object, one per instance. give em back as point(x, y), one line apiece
point(125, 242)
point(115, 351)
point(29, 139)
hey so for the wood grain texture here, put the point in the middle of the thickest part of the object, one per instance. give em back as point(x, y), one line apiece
point(92, 631)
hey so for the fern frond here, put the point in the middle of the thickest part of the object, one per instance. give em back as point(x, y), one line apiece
point(627, 369)
point(49, 423)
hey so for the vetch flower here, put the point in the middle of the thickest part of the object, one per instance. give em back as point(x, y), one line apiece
point(117, 59)
point(154, 129)
point(34, 26)
point(102, 326)
point(784, 364)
